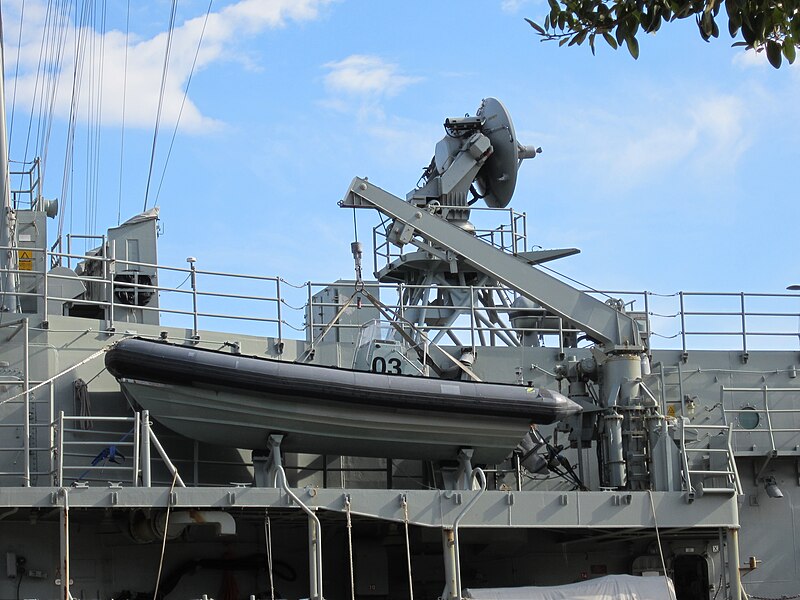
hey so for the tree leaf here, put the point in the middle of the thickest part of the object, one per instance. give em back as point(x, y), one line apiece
point(789, 50)
point(633, 46)
point(610, 40)
point(621, 33)
point(774, 53)
point(734, 21)
point(538, 28)
point(748, 34)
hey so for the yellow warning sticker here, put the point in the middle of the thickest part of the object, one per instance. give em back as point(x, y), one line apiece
point(671, 410)
point(25, 258)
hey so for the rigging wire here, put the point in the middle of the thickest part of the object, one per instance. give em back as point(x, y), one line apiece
point(183, 102)
point(124, 102)
point(95, 124)
point(588, 287)
point(90, 108)
point(67, 190)
point(16, 70)
point(164, 71)
point(39, 71)
point(60, 48)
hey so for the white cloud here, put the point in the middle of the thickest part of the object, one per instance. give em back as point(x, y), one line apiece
point(512, 6)
point(142, 79)
point(359, 86)
point(703, 136)
point(365, 75)
point(750, 59)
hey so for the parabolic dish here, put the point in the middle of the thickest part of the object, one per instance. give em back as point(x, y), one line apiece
point(498, 177)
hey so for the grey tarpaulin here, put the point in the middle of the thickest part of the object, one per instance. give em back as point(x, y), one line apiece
point(610, 587)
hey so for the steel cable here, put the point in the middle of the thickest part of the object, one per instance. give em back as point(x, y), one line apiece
point(164, 71)
point(183, 102)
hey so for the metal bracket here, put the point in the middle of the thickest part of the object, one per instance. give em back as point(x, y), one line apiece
point(769, 456)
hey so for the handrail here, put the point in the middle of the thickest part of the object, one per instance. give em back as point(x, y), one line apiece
point(763, 393)
point(668, 316)
point(731, 473)
point(315, 542)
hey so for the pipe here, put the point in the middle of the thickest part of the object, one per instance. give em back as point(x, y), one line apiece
point(476, 472)
point(314, 537)
point(170, 466)
point(8, 280)
point(733, 565)
point(145, 454)
point(8, 513)
point(64, 518)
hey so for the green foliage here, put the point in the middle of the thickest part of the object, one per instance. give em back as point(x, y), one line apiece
point(771, 26)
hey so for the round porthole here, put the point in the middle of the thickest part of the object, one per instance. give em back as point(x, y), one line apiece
point(748, 418)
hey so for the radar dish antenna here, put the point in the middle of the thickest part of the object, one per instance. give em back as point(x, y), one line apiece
point(497, 178)
point(479, 157)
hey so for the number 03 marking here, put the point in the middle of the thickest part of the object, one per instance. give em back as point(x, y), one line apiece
point(379, 365)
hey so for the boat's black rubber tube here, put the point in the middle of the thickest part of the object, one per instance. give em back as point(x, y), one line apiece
point(171, 364)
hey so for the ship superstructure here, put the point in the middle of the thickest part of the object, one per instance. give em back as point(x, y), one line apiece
point(681, 465)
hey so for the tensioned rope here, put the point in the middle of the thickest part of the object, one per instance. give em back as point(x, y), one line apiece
point(268, 541)
point(350, 550)
point(166, 530)
point(408, 550)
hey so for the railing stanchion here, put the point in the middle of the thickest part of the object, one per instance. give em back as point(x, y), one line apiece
point(744, 326)
point(60, 449)
point(280, 314)
point(26, 429)
point(112, 269)
point(683, 325)
point(193, 275)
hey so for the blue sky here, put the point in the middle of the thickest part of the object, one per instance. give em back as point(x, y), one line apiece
point(674, 172)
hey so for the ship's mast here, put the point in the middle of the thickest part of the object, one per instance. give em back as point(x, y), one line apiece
point(7, 279)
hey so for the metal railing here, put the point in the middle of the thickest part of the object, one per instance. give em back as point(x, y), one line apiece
point(117, 297)
point(695, 473)
point(756, 419)
point(510, 236)
point(475, 324)
point(199, 298)
point(101, 449)
point(25, 183)
point(743, 324)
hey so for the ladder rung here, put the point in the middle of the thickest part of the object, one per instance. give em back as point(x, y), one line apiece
point(711, 473)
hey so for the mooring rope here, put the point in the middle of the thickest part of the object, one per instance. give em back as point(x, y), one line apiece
point(350, 550)
point(408, 550)
point(268, 540)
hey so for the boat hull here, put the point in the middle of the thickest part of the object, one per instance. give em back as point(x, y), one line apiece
point(232, 400)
